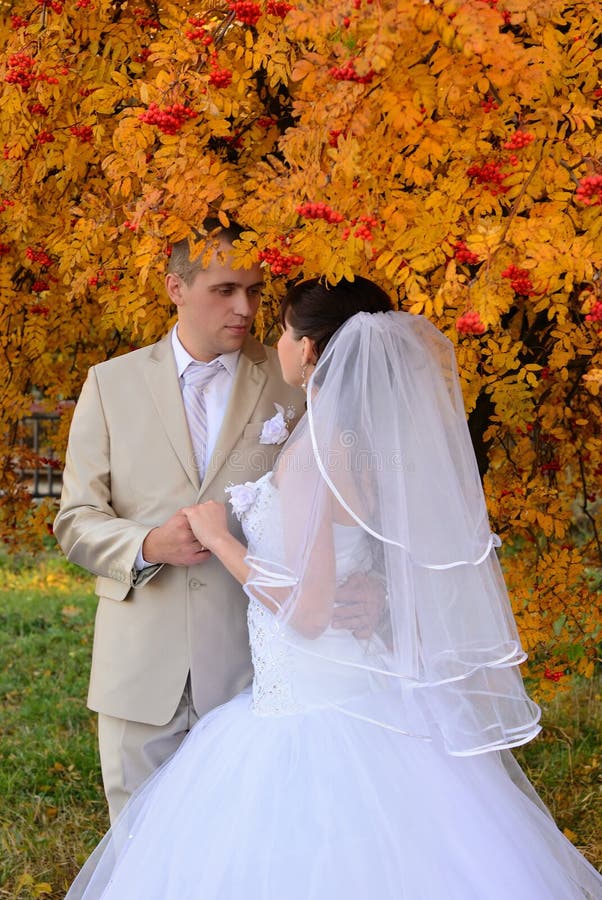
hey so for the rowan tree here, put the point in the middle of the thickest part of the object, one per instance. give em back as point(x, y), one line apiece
point(449, 150)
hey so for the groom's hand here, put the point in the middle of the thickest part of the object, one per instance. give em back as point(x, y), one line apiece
point(359, 605)
point(174, 543)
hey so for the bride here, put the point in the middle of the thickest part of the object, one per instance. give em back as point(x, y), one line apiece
point(356, 767)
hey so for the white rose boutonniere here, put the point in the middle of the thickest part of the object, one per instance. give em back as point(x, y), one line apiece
point(242, 496)
point(275, 430)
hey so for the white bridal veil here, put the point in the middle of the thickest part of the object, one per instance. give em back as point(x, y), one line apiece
point(382, 469)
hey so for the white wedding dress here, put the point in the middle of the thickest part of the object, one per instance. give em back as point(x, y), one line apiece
point(274, 797)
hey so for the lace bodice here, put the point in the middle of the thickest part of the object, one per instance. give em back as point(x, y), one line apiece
point(291, 672)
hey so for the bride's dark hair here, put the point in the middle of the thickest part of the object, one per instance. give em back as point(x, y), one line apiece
point(316, 309)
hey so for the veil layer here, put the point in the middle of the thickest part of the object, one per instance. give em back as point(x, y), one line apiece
point(379, 485)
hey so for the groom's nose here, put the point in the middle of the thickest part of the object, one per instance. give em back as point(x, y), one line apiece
point(245, 304)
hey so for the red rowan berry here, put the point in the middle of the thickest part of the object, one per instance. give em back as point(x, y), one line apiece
point(490, 175)
point(589, 190)
point(463, 255)
point(519, 140)
point(520, 281)
point(278, 9)
point(83, 133)
point(168, 120)
point(319, 211)
point(279, 264)
point(470, 323)
point(246, 11)
point(348, 73)
point(44, 137)
point(595, 314)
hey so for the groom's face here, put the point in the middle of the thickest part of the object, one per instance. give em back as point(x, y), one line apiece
point(216, 310)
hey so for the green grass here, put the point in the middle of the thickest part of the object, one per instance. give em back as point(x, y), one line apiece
point(52, 809)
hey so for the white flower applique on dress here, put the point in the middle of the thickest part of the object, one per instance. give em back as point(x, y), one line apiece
point(242, 496)
point(275, 430)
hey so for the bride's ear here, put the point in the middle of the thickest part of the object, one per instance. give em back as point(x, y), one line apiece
point(309, 354)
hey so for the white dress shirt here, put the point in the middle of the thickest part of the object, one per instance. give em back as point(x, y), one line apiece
point(217, 396)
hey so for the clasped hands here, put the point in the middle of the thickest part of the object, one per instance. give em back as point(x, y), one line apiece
point(189, 536)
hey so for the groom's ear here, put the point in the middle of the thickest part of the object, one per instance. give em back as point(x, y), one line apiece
point(173, 286)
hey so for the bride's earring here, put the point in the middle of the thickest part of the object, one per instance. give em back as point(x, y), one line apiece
point(304, 377)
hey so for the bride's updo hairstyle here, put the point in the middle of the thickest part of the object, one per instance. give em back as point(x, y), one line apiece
point(316, 309)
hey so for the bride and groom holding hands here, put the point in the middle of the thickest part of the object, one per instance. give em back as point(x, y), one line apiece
point(370, 756)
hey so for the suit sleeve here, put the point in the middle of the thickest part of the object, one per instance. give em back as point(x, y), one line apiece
point(87, 527)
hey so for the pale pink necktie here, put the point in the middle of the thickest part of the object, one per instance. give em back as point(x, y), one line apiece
point(196, 377)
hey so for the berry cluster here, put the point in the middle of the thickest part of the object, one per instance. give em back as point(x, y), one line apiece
point(143, 20)
point(39, 286)
point(348, 73)
point(464, 255)
point(589, 190)
point(21, 70)
point(552, 466)
point(94, 279)
point(168, 120)
point(39, 256)
point(44, 137)
point(553, 676)
point(364, 230)
point(470, 323)
point(278, 8)
point(491, 175)
point(519, 140)
point(266, 121)
point(141, 57)
point(520, 282)
point(595, 315)
point(4, 249)
point(17, 22)
point(84, 4)
point(198, 31)
point(319, 211)
point(279, 264)
point(37, 109)
point(333, 137)
point(246, 11)
point(83, 133)
point(5, 203)
point(489, 103)
point(39, 310)
point(54, 5)
point(219, 78)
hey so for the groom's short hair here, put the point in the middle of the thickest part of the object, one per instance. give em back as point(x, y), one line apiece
point(180, 262)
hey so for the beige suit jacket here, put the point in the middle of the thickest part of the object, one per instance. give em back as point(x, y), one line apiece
point(130, 466)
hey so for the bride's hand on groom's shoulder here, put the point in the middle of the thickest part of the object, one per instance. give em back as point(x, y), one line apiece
point(208, 522)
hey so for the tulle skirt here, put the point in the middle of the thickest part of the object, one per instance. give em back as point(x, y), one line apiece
point(324, 807)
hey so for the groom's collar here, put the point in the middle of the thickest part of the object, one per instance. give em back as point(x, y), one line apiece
point(183, 358)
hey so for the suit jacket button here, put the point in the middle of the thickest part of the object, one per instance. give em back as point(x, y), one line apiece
point(194, 583)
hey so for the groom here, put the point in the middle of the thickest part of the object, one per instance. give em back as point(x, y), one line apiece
point(171, 639)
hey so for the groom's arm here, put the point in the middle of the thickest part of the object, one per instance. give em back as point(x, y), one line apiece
point(87, 527)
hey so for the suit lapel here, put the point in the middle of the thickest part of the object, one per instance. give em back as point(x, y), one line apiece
point(162, 379)
point(246, 390)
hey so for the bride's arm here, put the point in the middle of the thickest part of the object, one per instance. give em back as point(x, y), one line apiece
point(313, 604)
point(209, 526)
